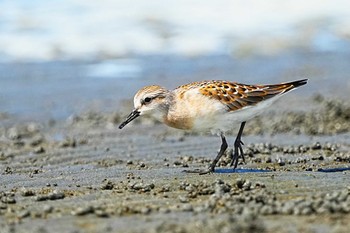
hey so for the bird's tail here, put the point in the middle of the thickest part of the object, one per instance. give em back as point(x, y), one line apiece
point(284, 87)
point(297, 83)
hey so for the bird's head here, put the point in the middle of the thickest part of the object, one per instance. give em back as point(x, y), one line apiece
point(149, 100)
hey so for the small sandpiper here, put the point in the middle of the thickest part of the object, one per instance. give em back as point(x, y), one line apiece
point(209, 106)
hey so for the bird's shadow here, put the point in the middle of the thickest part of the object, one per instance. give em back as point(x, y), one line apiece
point(338, 169)
point(250, 170)
point(239, 170)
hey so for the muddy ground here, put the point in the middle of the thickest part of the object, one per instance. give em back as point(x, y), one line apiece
point(85, 175)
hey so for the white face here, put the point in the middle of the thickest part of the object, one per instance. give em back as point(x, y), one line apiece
point(148, 104)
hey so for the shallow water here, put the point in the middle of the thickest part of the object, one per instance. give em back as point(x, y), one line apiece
point(58, 89)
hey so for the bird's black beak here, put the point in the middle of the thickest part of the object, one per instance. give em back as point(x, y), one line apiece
point(132, 116)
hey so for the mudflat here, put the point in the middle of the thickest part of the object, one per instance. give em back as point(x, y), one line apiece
point(85, 175)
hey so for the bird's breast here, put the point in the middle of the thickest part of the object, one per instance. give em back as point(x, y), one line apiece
point(179, 122)
point(193, 111)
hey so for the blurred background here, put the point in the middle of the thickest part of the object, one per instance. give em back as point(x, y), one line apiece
point(62, 57)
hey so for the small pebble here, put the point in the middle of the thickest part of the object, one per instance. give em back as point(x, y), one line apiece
point(183, 199)
point(107, 185)
point(81, 211)
point(247, 185)
point(36, 141)
point(101, 214)
point(187, 207)
point(47, 209)
point(39, 150)
point(56, 195)
point(27, 192)
point(23, 214)
point(8, 200)
point(145, 210)
point(240, 182)
point(281, 162)
point(3, 206)
point(316, 146)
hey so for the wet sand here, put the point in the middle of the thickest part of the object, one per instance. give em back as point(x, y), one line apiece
point(85, 175)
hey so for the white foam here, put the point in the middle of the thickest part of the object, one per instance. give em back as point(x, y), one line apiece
point(48, 30)
point(115, 68)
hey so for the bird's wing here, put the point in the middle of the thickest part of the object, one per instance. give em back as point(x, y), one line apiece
point(237, 96)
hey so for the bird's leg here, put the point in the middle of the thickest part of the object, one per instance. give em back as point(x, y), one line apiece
point(216, 160)
point(220, 154)
point(238, 150)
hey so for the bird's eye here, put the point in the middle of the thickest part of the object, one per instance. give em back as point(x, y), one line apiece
point(147, 100)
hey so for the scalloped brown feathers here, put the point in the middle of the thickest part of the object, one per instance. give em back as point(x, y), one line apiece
point(236, 95)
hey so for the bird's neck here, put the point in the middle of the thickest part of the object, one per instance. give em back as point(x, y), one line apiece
point(175, 113)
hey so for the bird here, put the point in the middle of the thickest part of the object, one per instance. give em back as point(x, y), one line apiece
point(214, 106)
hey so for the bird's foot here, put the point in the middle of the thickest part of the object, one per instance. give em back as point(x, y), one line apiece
point(236, 153)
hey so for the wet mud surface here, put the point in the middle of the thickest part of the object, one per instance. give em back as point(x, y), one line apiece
point(85, 175)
